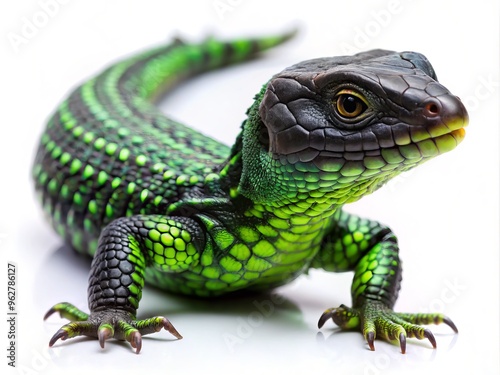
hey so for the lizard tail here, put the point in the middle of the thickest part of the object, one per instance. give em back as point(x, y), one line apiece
point(156, 71)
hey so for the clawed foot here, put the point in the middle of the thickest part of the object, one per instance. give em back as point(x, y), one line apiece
point(106, 324)
point(374, 320)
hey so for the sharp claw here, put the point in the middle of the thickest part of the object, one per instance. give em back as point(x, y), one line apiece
point(324, 317)
point(136, 341)
point(61, 334)
point(402, 342)
point(430, 336)
point(126, 326)
point(103, 334)
point(449, 323)
point(49, 313)
point(170, 328)
point(370, 338)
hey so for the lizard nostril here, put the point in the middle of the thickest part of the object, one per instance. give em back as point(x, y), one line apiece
point(432, 109)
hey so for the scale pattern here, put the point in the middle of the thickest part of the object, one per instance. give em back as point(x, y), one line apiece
point(108, 152)
point(155, 201)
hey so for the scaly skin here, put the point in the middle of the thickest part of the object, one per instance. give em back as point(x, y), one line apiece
point(153, 200)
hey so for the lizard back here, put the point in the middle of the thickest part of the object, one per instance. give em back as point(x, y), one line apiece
point(109, 152)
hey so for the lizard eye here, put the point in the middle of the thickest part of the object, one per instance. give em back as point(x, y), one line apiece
point(349, 104)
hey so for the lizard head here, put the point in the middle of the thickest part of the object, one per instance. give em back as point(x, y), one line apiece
point(356, 121)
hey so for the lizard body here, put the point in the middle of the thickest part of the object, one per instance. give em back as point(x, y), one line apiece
point(155, 201)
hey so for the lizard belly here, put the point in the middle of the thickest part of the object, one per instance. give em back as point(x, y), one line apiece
point(254, 257)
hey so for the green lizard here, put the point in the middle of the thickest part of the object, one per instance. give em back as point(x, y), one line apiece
point(153, 200)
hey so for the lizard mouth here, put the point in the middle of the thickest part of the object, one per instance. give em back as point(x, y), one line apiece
point(458, 135)
point(434, 140)
point(421, 143)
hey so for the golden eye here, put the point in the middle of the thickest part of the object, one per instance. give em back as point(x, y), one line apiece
point(349, 104)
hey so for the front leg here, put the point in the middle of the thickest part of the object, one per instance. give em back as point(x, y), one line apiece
point(371, 250)
point(126, 247)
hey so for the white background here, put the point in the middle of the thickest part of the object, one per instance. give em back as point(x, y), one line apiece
point(445, 213)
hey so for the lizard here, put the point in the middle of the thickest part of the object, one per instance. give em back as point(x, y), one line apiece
point(155, 201)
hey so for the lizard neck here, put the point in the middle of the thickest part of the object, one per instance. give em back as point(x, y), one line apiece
point(287, 186)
